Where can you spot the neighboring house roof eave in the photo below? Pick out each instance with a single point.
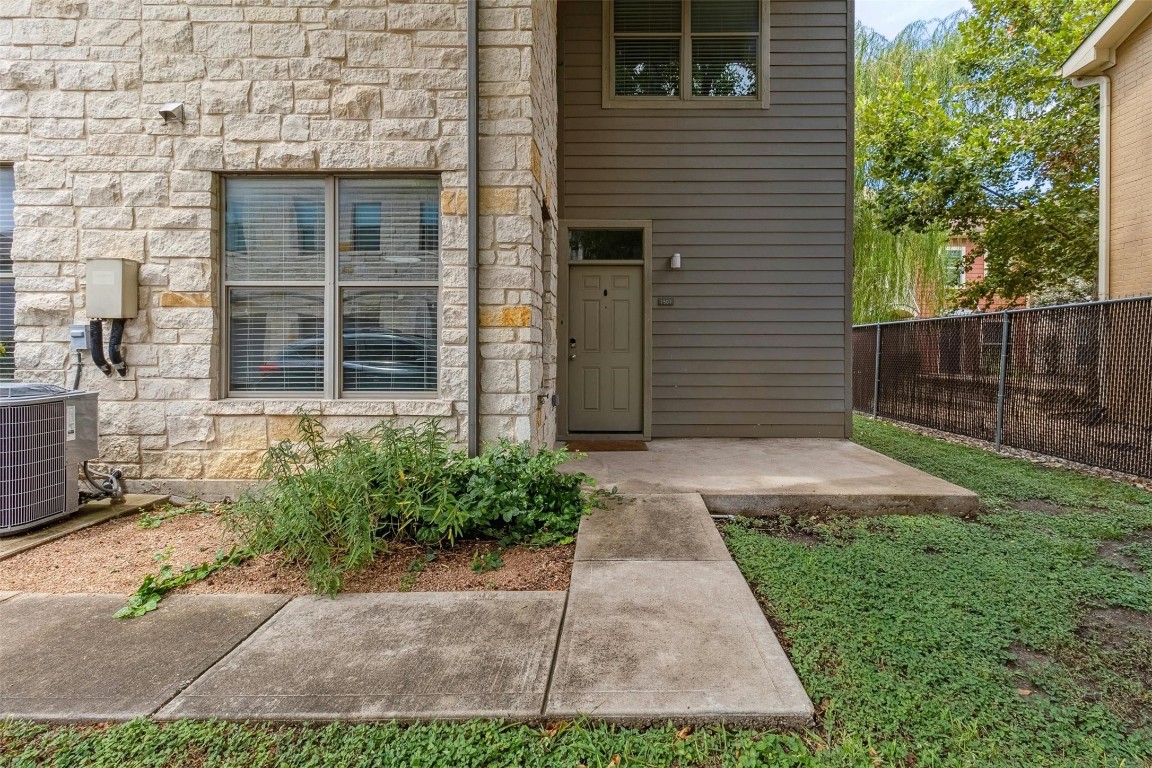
(1098, 51)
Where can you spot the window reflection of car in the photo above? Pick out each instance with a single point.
(378, 361)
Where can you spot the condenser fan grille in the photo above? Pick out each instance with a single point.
(33, 478)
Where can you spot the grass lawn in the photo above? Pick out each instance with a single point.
(1022, 637)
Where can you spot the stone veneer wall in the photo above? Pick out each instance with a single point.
(302, 86)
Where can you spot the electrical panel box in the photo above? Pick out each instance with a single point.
(112, 289)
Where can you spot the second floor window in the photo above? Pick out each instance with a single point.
(685, 50)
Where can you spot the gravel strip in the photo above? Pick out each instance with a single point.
(114, 557)
(1036, 458)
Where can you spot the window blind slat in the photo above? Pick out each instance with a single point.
(726, 16)
(724, 66)
(276, 339)
(647, 67)
(274, 228)
(389, 339)
(647, 16)
(389, 229)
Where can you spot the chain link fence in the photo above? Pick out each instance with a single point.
(1073, 381)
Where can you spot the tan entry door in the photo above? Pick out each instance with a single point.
(605, 348)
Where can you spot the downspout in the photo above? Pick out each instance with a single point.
(473, 228)
(1105, 187)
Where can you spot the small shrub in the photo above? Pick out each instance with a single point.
(334, 506)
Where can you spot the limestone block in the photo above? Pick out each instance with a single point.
(120, 449)
(199, 153)
(278, 40)
(174, 218)
(190, 431)
(44, 244)
(323, 129)
(179, 244)
(122, 32)
(329, 44)
(86, 76)
(359, 19)
(498, 376)
(356, 102)
(173, 299)
(152, 388)
(172, 464)
(25, 75)
(189, 275)
(252, 127)
(115, 105)
(112, 244)
(132, 418)
(172, 36)
(222, 40)
(338, 155)
(186, 360)
(144, 189)
(241, 433)
(224, 97)
(55, 104)
(281, 156)
(295, 128)
(42, 174)
(379, 49)
(182, 68)
(421, 16)
(43, 31)
(233, 465)
(402, 154)
(272, 97)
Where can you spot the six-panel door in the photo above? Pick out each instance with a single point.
(605, 348)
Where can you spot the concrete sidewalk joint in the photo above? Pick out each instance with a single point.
(389, 656)
(78, 664)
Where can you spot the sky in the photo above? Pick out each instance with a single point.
(888, 17)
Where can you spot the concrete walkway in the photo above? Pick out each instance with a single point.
(658, 624)
(762, 477)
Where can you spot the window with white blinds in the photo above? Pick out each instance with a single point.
(7, 280)
(331, 285)
(686, 50)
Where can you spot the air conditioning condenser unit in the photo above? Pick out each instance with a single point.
(46, 432)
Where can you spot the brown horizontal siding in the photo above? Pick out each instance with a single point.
(755, 201)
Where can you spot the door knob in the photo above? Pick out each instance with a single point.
(572, 357)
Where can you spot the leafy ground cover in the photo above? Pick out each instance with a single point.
(1014, 638)
(1020, 637)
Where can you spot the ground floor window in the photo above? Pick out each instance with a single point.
(331, 285)
(7, 281)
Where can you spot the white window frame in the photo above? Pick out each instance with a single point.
(685, 99)
(333, 331)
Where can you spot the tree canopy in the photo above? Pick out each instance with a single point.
(898, 271)
(1007, 152)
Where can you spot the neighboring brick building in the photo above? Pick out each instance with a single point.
(302, 234)
(1119, 50)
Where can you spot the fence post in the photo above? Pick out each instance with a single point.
(876, 375)
(1004, 330)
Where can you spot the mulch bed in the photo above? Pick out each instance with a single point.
(115, 556)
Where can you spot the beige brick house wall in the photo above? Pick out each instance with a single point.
(302, 86)
(1131, 199)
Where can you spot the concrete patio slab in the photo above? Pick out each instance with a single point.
(647, 642)
(651, 527)
(64, 658)
(772, 476)
(413, 656)
(92, 513)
